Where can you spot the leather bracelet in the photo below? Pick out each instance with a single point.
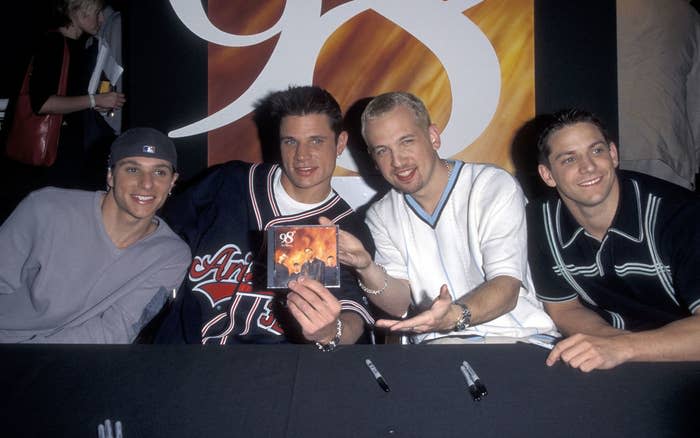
(335, 341)
(367, 290)
(92, 100)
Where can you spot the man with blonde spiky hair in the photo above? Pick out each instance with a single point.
(450, 237)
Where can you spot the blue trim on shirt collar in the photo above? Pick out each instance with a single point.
(432, 219)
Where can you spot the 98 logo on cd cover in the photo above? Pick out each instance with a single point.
(302, 250)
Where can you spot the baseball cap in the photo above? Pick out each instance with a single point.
(143, 142)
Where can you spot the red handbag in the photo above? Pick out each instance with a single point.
(33, 139)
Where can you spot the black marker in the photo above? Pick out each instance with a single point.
(476, 395)
(475, 378)
(377, 376)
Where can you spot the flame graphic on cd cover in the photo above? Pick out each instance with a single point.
(308, 250)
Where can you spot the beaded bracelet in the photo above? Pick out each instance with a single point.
(335, 341)
(367, 290)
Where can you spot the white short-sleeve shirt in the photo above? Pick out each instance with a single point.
(476, 233)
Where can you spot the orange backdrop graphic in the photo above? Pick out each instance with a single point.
(369, 55)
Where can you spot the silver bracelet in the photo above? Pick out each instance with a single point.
(335, 341)
(92, 100)
(465, 318)
(367, 290)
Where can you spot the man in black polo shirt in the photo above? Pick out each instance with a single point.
(614, 254)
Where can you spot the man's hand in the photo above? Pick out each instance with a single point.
(441, 317)
(588, 353)
(351, 251)
(315, 308)
(395, 294)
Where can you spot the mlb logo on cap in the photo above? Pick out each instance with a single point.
(143, 142)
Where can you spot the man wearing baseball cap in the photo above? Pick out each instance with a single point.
(93, 267)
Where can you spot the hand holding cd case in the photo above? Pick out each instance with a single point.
(308, 250)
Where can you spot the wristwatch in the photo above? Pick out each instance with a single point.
(464, 319)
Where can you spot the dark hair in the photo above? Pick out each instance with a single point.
(562, 119)
(301, 101)
(294, 101)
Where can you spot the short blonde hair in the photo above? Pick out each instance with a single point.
(386, 102)
(88, 5)
(63, 9)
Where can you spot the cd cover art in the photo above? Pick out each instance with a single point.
(308, 250)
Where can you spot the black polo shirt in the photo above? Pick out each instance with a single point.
(645, 272)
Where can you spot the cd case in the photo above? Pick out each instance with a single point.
(309, 250)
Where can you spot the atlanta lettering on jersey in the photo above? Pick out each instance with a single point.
(221, 275)
(227, 277)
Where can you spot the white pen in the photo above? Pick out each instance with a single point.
(377, 375)
(467, 376)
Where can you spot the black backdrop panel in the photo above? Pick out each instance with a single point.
(165, 77)
(576, 58)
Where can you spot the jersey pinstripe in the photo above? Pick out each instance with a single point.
(224, 299)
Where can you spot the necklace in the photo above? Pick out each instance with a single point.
(448, 167)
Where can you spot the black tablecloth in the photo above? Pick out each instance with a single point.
(298, 391)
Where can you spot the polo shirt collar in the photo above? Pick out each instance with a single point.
(628, 218)
(626, 223)
(567, 226)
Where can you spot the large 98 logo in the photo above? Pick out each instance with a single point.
(287, 239)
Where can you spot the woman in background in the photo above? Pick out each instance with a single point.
(81, 160)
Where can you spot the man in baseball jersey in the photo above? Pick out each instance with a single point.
(224, 218)
(450, 236)
(93, 267)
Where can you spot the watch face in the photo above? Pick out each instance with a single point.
(465, 319)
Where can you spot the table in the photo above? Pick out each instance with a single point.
(298, 391)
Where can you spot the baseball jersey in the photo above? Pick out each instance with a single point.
(224, 298)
